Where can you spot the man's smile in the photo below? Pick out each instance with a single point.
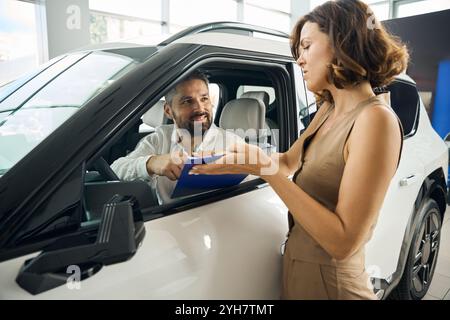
(200, 117)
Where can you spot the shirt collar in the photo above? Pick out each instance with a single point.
(208, 138)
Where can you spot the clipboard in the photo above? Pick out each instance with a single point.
(190, 184)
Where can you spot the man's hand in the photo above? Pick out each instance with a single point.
(169, 165)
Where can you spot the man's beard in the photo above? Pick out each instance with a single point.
(194, 126)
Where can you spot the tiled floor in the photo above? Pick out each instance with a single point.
(440, 285)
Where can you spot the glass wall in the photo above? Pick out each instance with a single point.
(268, 13)
(135, 21)
(279, 5)
(184, 13)
(151, 21)
(18, 39)
(118, 20)
(387, 9)
(405, 9)
(379, 7)
(132, 20)
(263, 16)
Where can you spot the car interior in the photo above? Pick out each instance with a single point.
(242, 100)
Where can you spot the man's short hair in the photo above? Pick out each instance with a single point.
(196, 75)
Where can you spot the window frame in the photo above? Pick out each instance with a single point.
(418, 108)
(198, 200)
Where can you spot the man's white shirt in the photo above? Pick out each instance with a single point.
(168, 139)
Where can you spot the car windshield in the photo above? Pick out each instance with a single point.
(38, 107)
(9, 88)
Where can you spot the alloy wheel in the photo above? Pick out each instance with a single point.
(426, 249)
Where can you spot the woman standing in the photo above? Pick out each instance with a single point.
(345, 159)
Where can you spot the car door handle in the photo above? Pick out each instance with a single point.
(409, 180)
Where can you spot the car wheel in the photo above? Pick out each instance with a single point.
(422, 257)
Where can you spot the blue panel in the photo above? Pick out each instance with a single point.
(441, 112)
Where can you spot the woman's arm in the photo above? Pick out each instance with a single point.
(373, 151)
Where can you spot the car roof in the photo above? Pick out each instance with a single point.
(226, 34)
(109, 46)
(241, 42)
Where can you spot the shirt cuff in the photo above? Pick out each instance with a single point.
(142, 168)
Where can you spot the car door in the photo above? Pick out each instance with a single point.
(220, 245)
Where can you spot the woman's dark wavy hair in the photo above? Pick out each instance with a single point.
(363, 49)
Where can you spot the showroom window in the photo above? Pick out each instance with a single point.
(144, 9)
(18, 39)
(134, 20)
(106, 27)
(263, 13)
(150, 22)
(187, 13)
(408, 8)
(388, 9)
(280, 5)
(380, 8)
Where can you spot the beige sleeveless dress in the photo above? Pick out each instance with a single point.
(309, 272)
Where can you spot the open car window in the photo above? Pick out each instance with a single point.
(155, 117)
(227, 87)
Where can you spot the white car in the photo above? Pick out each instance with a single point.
(69, 229)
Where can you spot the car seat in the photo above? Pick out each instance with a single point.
(247, 117)
(271, 126)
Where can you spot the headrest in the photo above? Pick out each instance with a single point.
(154, 117)
(244, 114)
(260, 95)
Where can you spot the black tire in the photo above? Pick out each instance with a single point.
(422, 256)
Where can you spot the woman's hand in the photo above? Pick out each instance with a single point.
(240, 159)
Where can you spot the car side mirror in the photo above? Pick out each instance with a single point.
(120, 233)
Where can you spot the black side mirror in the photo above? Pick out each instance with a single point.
(120, 233)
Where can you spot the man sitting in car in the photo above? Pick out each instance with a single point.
(159, 157)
